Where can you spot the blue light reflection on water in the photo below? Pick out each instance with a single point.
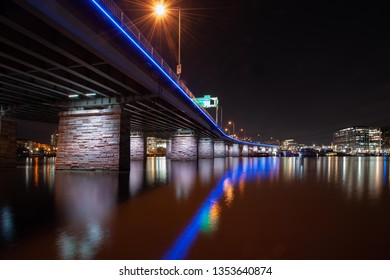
(247, 170)
(385, 170)
(7, 224)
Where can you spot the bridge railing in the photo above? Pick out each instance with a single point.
(127, 24)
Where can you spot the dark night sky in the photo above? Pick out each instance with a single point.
(291, 69)
(287, 69)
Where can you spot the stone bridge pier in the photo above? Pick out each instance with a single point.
(94, 140)
(101, 140)
(234, 150)
(184, 146)
(137, 146)
(245, 150)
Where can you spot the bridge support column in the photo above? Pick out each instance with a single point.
(137, 146)
(219, 149)
(245, 150)
(168, 149)
(94, 139)
(206, 148)
(7, 143)
(184, 146)
(254, 151)
(234, 150)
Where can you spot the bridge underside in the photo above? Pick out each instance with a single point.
(44, 62)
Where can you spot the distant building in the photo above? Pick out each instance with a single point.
(289, 145)
(54, 139)
(156, 146)
(30, 148)
(358, 140)
(386, 139)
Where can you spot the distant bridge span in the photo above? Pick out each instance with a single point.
(84, 65)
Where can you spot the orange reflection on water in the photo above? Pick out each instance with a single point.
(215, 213)
(228, 191)
(241, 185)
(36, 172)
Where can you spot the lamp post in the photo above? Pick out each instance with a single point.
(243, 131)
(232, 124)
(160, 10)
(178, 68)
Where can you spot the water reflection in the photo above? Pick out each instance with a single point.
(86, 201)
(7, 224)
(183, 177)
(137, 177)
(153, 172)
(356, 177)
(207, 216)
(156, 168)
(39, 172)
(193, 206)
(206, 170)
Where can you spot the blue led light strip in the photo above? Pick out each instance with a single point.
(133, 41)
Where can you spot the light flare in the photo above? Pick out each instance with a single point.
(159, 9)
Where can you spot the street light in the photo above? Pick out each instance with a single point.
(232, 123)
(160, 10)
(242, 130)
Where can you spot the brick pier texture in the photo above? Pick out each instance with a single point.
(245, 150)
(169, 148)
(205, 148)
(234, 150)
(7, 143)
(219, 149)
(137, 147)
(184, 147)
(94, 140)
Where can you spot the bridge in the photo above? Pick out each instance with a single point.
(85, 66)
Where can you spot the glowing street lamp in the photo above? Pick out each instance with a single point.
(243, 130)
(160, 10)
(232, 123)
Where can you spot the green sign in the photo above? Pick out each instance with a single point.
(208, 102)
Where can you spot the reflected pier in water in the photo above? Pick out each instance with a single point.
(249, 208)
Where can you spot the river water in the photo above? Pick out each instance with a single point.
(233, 208)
